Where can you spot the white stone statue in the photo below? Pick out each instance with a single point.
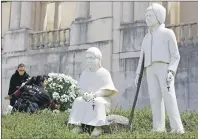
(96, 87)
(162, 57)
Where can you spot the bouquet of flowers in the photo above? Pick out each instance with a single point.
(62, 89)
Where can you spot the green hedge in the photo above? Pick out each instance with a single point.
(48, 125)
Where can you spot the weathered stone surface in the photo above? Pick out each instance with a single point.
(82, 10)
(193, 90)
(193, 103)
(96, 12)
(139, 13)
(132, 35)
(127, 12)
(16, 40)
(117, 119)
(26, 14)
(95, 33)
(117, 14)
(15, 15)
(181, 104)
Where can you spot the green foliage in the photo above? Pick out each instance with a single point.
(49, 125)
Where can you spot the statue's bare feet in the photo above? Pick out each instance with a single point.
(158, 130)
(177, 131)
(96, 132)
(77, 130)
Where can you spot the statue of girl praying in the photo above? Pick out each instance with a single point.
(95, 87)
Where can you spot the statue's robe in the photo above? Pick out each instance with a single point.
(84, 112)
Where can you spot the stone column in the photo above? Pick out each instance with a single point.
(37, 15)
(56, 15)
(139, 10)
(42, 15)
(174, 12)
(26, 15)
(15, 15)
(165, 4)
(127, 12)
(81, 13)
(82, 10)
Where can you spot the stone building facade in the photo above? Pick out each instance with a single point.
(116, 28)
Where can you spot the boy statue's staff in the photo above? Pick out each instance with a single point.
(136, 94)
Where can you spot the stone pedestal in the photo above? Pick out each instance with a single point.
(15, 15)
(74, 34)
(17, 40)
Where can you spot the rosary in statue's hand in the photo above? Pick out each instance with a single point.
(169, 78)
(88, 96)
(85, 96)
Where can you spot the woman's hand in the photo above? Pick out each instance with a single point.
(57, 106)
(7, 97)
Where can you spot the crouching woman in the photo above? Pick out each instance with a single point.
(33, 96)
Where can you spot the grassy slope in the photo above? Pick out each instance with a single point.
(47, 125)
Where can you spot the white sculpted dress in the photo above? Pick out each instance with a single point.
(84, 112)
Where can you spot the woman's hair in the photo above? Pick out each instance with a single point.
(38, 80)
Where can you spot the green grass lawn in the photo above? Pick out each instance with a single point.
(48, 125)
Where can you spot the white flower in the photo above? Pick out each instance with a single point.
(64, 96)
(55, 95)
(63, 99)
(49, 79)
(57, 84)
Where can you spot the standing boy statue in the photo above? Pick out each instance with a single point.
(161, 54)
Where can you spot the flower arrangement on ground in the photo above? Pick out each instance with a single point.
(63, 89)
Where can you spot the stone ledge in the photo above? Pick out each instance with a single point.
(91, 20)
(123, 55)
(55, 50)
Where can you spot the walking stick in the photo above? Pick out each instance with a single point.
(136, 95)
